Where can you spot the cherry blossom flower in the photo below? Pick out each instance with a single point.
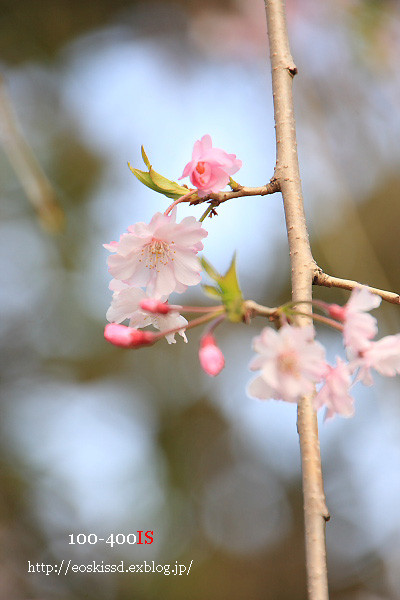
(211, 358)
(358, 326)
(334, 394)
(290, 361)
(210, 168)
(383, 356)
(160, 255)
(127, 337)
(125, 304)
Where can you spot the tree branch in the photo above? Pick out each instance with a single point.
(321, 278)
(303, 270)
(217, 198)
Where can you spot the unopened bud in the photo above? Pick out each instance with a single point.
(127, 337)
(152, 305)
(336, 311)
(211, 358)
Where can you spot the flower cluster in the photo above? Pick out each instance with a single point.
(291, 362)
(151, 261)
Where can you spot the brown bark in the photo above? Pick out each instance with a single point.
(287, 175)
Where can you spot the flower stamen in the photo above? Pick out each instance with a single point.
(156, 253)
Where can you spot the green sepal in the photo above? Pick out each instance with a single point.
(227, 289)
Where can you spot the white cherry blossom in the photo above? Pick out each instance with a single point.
(334, 394)
(358, 326)
(290, 362)
(161, 256)
(125, 304)
(383, 356)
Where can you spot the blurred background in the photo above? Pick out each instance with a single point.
(95, 439)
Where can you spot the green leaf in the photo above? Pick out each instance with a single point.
(166, 185)
(231, 293)
(209, 269)
(143, 177)
(153, 180)
(212, 291)
(228, 289)
(145, 159)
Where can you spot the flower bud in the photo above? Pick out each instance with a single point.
(337, 312)
(152, 305)
(211, 358)
(127, 337)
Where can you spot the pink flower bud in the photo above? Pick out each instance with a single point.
(152, 305)
(337, 312)
(127, 337)
(211, 358)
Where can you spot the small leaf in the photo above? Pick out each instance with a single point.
(229, 281)
(143, 177)
(231, 293)
(174, 190)
(209, 269)
(166, 185)
(234, 185)
(212, 291)
(227, 289)
(145, 159)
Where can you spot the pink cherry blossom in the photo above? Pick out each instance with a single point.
(125, 304)
(211, 358)
(334, 394)
(210, 168)
(127, 337)
(383, 356)
(160, 255)
(358, 326)
(290, 361)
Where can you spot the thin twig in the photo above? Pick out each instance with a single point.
(321, 278)
(288, 176)
(321, 319)
(33, 179)
(193, 323)
(251, 308)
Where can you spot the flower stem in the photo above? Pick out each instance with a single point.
(321, 318)
(214, 324)
(200, 309)
(206, 213)
(181, 199)
(191, 324)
